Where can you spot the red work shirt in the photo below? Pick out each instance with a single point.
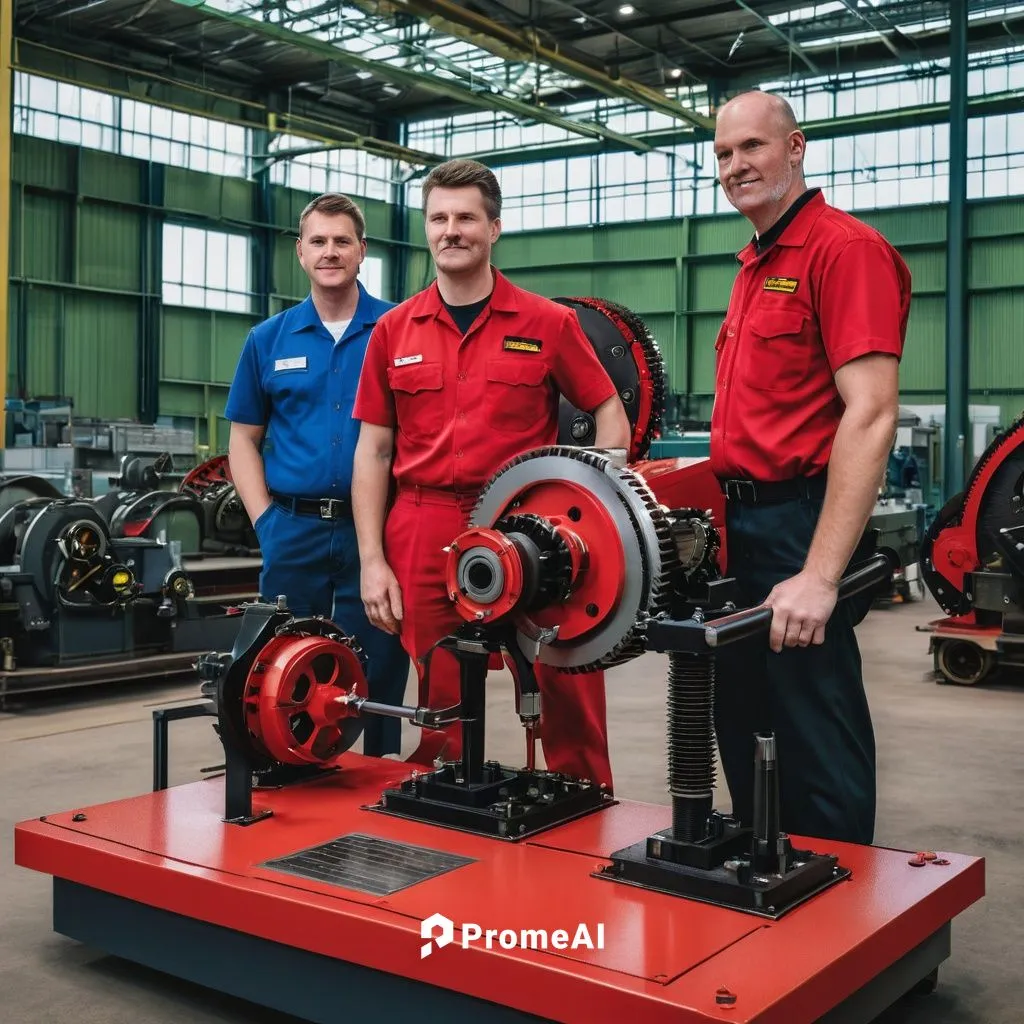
(829, 290)
(463, 405)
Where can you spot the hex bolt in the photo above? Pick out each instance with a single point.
(78, 817)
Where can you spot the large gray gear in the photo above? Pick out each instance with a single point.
(643, 527)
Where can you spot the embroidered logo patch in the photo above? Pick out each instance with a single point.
(781, 284)
(522, 345)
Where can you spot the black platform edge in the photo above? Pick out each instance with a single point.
(309, 986)
(315, 988)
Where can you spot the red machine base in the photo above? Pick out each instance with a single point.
(159, 879)
(966, 653)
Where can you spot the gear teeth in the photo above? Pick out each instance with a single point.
(651, 365)
(953, 601)
(555, 582)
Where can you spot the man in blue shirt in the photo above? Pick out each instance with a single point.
(293, 438)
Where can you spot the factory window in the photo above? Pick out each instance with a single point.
(66, 113)
(182, 140)
(210, 269)
(96, 120)
(351, 171)
(372, 276)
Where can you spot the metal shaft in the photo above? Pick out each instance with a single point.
(472, 676)
(691, 743)
(766, 803)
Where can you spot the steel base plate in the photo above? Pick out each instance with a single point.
(766, 895)
(508, 803)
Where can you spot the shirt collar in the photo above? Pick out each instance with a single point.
(504, 298)
(791, 229)
(367, 312)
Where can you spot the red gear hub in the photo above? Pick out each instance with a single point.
(582, 524)
(295, 701)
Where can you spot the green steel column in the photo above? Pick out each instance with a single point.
(264, 237)
(6, 141)
(150, 287)
(956, 447)
(399, 262)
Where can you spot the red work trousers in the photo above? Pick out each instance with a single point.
(573, 727)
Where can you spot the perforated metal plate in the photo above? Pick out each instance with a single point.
(368, 864)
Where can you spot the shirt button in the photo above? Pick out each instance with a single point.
(458, 454)
(730, 332)
(337, 406)
(462, 415)
(460, 376)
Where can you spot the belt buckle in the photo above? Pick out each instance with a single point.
(326, 508)
(741, 487)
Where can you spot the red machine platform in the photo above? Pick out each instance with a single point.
(162, 880)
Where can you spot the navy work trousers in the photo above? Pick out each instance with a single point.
(811, 698)
(314, 563)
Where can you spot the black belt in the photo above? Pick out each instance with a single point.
(322, 508)
(771, 492)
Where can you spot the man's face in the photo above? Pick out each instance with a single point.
(329, 250)
(758, 159)
(459, 233)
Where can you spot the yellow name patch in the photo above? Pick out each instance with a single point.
(781, 284)
(522, 345)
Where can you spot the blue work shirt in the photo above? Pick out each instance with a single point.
(293, 378)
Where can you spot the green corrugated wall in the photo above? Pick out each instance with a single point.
(80, 282)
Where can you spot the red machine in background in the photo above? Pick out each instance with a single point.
(972, 560)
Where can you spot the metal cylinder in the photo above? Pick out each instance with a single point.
(766, 803)
(691, 743)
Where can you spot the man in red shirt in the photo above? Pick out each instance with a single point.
(805, 413)
(457, 380)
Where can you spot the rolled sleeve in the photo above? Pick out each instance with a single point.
(374, 400)
(863, 302)
(577, 370)
(247, 401)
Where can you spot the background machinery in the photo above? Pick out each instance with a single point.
(973, 564)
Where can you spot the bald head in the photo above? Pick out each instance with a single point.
(760, 150)
(764, 106)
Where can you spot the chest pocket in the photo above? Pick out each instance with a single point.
(780, 349)
(517, 395)
(419, 401)
(290, 381)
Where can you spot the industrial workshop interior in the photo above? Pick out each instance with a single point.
(512, 511)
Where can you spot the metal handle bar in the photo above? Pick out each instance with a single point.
(755, 621)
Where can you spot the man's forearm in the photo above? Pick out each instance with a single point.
(611, 425)
(371, 480)
(858, 459)
(247, 473)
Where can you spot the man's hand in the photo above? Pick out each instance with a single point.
(800, 607)
(382, 596)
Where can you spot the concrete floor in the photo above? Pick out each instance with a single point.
(951, 777)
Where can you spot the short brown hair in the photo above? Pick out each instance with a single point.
(334, 203)
(462, 174)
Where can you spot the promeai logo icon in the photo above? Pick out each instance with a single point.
(436, 929)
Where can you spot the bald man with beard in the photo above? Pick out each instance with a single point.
(806, 404)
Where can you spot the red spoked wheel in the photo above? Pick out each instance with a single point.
(296, 699)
